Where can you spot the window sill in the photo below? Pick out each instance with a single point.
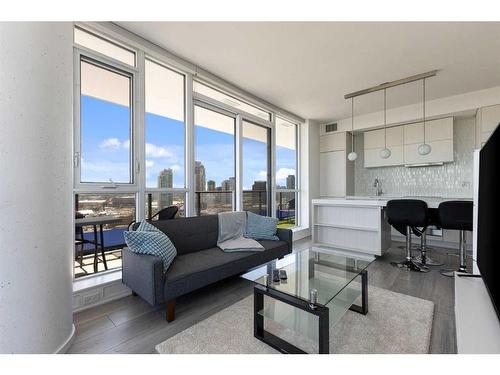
(96, 280)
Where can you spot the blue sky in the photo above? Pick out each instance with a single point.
(106, 145)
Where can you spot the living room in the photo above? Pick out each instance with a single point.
(308, 185)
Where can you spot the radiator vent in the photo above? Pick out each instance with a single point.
(331, 127)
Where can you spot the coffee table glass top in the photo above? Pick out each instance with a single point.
(327, 271)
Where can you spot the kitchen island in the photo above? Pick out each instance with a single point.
(356, 224)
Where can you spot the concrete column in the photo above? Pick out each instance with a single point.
(36, 109)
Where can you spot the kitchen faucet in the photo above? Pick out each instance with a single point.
(377, 186)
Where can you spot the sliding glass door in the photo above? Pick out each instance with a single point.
(214, 171)
(256, 168)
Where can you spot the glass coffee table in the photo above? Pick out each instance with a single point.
(321, 286)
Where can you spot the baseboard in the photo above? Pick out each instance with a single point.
(98, 294)
(69, 341)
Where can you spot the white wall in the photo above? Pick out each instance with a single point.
(36, 67)
(309, 174)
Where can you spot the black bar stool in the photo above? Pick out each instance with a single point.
(457, 215)
(424, 258)
(405, 215)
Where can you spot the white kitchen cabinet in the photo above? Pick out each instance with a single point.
(403, 141)
(487, 120)
(336, 172)
(332, 173)
(374, 143)
(441, 152)
(435, 130)
(373, 159)
(332, 142)
(438, 135)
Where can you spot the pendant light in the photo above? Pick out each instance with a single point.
(424, 148)
(385, 153)
(352, 155)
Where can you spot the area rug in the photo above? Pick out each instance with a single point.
(395, 323)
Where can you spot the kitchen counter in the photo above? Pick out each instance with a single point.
(357, 224)
(432, 202)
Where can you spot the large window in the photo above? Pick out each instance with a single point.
(105, 124)
(286, 173)
(256, 158)
(144, 143)
(165, 128)
(214, 171)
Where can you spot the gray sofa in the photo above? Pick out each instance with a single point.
(199, 262)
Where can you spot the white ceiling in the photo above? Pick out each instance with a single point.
(307, 67)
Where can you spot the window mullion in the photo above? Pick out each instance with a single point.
(139, 139)
(190, 152)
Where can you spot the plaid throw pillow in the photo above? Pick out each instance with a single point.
(261, 227)
(148, 239)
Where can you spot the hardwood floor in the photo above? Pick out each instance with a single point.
(130, 325)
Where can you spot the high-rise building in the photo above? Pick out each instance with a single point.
(259, 197)
(210, 185)
(228, 185)
(290, 181)
(259, 185)
(200, 177)
(165, 180)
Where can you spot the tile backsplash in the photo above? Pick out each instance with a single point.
(451, 180)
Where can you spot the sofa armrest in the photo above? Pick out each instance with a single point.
(287, 236)
(144, 275)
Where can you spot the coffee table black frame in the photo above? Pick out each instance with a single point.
(321, 311)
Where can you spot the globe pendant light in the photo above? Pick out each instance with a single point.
(385, 153)
(352, 155)
(424, 148)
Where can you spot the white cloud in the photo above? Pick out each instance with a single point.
(126, 144)
(176, 167)
(150, 163)
(154, 151)
(110, 144)
(262, 175)
(283, 173)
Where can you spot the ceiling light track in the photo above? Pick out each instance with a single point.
(387, 85)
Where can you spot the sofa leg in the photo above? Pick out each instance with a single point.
(134, 294)
(170, 310)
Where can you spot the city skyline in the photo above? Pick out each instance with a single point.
(165, 179)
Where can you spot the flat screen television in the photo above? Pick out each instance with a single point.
(488, 217)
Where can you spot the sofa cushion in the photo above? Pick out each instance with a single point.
(261, 227)
(191, 234)
(192, 271)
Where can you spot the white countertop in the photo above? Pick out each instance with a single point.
(432, 202)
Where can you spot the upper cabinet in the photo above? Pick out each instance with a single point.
(487, 120)
(374, 142)
(403, 141)
(336, 173)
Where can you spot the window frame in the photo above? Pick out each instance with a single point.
(269, 162)
(119, 68)
(111, 41)
(222, 111)
(297, 189)
(144, 50)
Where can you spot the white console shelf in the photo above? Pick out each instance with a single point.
(354, 226)
(477, 325)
